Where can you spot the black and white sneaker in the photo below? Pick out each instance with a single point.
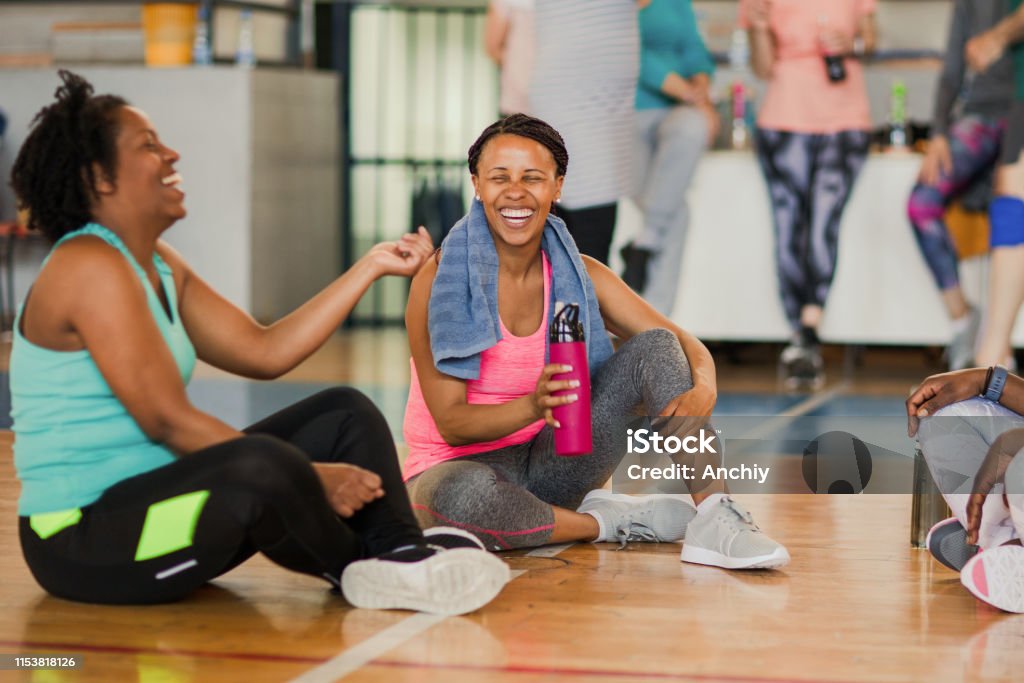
(947, 542)
(450, 538)
(801, 367)
(439, 577)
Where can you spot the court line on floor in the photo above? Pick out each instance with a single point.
(354, 658)
(799, 410)
(601, 673)
(302, 659)
(373, 647)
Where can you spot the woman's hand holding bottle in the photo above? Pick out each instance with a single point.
(543, 398)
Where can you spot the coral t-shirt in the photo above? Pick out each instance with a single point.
(799, 97)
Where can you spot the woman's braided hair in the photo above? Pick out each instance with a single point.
(54, 176)
(527, 127)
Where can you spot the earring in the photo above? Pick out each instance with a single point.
(478, 197)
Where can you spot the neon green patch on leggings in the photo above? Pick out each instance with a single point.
(170, 525)
(49, 523)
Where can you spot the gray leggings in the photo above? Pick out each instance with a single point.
(505, 496)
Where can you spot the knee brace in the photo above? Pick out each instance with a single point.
(1006, 219)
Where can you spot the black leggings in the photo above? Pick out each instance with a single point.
(159, 536)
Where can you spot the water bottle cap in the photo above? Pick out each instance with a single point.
(566, 326)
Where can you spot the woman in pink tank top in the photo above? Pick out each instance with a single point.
(480, 432)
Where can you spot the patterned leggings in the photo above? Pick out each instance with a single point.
(809, 179)
(974, 147)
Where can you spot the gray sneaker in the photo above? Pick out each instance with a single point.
(801, 367)
(622, 518)
(960, 352)
(726, 536)
(947, 542)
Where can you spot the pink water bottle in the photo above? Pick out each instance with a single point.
(568, 347)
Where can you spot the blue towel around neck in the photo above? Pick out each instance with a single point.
(463, 313)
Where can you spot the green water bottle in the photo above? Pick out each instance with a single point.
(898, 115)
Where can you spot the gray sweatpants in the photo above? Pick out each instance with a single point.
(505, 496)
(668, 144)
(954, 442)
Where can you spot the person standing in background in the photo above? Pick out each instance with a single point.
(812, 137)
(508, 40)
(961, 152)
(1006, 212)
(583, 83)
(675, 122)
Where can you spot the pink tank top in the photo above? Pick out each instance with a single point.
(508, 370)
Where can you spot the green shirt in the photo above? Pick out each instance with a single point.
(1017, 51)
(73, 437)
(669, 43)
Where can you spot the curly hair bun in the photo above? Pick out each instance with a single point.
(75, 92)
(71, 141)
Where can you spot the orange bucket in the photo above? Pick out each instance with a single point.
(968, 230)
(169, 29)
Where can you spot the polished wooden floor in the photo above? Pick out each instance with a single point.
(856, 604)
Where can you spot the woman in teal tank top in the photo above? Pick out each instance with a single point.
(130, 494)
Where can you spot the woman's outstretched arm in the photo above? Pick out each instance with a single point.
(229, 338)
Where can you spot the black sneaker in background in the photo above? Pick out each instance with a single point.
(801, 367)
(635, 272)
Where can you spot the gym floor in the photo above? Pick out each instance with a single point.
(857, 603)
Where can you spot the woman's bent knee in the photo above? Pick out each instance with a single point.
(265, 464)
(446, 488)
(347, 398)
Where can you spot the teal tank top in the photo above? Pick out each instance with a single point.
(1017, 51)
(73, 439)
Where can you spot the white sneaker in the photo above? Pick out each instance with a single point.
(996, 576)
(960, 352)
(426, 579)
(623, 518)
(726, 536)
